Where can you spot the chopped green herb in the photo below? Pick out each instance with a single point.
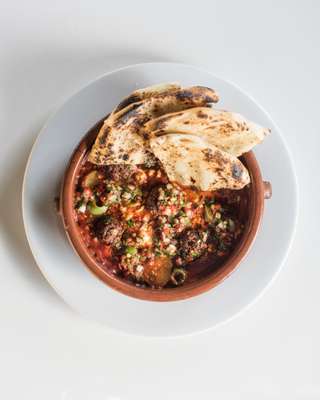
(130, 223)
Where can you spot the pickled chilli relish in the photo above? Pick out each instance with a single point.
(149, 230)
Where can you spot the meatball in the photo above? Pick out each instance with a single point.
(152, 199)
(119, 172)
(192, 243)
(108, 229)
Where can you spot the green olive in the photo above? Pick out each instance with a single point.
(178, 276)
(131, 250)
(96, 210)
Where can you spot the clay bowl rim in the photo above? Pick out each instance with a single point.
(259, 190)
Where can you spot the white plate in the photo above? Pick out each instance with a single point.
(64, 270)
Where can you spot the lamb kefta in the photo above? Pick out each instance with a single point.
(149, 230)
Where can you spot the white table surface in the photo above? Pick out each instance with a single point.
(48, 50)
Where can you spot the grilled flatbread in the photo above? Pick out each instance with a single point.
(191, 161)
(122, 138)
(229, 131)
(145, 93)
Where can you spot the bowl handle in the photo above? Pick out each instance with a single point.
(57, 205)
(267, 190)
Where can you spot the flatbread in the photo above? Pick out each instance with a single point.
(122, 138)
(229, 131)
(189, 160)
(145, 93)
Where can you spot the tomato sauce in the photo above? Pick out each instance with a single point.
(152, 231)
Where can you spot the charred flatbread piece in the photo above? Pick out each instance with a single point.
(123, 139)
(191, 161)
(145, 93)
(118, 146)
(229, 131)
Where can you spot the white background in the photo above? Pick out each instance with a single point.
(48, 50)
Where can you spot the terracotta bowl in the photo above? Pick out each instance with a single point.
(204, 276)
